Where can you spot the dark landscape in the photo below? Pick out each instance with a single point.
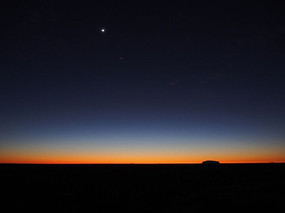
(143, 188)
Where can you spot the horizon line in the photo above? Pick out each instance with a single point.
(139, 163)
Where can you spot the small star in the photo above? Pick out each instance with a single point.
(102, 30)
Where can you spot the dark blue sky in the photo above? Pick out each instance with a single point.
(160, 73)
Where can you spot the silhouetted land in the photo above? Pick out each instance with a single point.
(143, 188)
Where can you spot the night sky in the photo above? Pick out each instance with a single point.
(177, 82)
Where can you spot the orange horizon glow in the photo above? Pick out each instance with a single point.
(126, 160)
(141, 163)
(67, 155)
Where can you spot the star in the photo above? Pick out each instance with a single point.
(102, 30)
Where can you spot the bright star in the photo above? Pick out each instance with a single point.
(102, 30)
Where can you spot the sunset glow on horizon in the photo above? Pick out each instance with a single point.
(140, 155)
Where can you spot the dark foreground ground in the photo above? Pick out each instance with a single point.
(143, 188)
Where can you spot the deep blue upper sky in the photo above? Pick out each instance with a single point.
(179, 69)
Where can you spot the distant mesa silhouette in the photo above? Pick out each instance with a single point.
(211, 162)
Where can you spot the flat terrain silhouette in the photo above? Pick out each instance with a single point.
(143, 188)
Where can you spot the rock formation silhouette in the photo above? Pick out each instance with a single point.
(211, 162)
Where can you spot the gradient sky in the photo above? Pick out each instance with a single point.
(178, 82)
